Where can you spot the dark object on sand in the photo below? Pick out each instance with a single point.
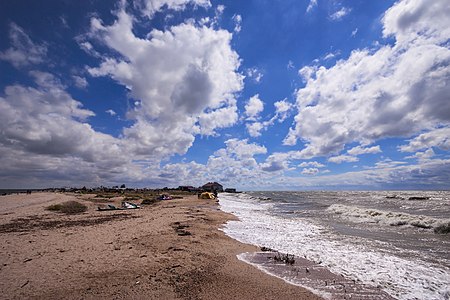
(288, 259)
(129, 205)
(419, 198)
(394, 197)
(125, 205)
(180, 229)
(442, 229)
(108, 207)
(266, 249)
(165, 197)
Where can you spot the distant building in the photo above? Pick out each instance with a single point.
(187, 188)
(230, 190)
(213, 186)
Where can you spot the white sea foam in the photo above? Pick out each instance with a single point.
(401, 278)
(369, 215)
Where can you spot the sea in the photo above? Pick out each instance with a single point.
(398, 241)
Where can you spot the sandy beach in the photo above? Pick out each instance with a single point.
(168, 250)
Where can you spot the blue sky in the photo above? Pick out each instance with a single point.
(258, 95)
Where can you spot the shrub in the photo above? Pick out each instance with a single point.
(70, 207)
(55, 207)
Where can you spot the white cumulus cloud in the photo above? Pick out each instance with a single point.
(393, 91)
(439, 138)
(358, 150)
(311, 164)
(254, 129)
(80, 82)
(254, 107)
(185, 79)
(310, 171)
(342, 158)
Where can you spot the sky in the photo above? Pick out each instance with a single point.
(256, 94)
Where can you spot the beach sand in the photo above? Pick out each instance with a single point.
(169, 250)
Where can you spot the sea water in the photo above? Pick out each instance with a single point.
(398, 241)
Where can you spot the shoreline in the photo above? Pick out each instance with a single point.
(168, 250)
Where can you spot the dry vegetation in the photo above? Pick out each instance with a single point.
(70, 207)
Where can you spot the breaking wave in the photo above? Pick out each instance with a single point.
(391, 218)
(403, 278)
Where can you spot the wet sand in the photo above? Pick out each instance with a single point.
(169, 250)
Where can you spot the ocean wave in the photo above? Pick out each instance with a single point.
(391, 218)
(402, 278)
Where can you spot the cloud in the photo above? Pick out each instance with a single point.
(87, 47)
(358, 150)
(237, 23)
(393, 91)
(354, 32)
(254, 107)
(290, 65)
(220, 9)
(308, 72)
(342, 158)
(219, 118)
(353, 153)
(80, 82)
(254, 129)
(422, 155)
(150, 7)
(439, 138)
(64, 22)
(282, 110)
(242, 149)
(311, 164)
(312, 4)
(255, 74)
(388, 163)
(47, 122)
(332, 55)
(111, 112)
(23, 51)
(233, 164)
(44, 135)
(421, 20)
(389, 174)
(338, 15)
(185, 78)
(310, 171)
(277, 162)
